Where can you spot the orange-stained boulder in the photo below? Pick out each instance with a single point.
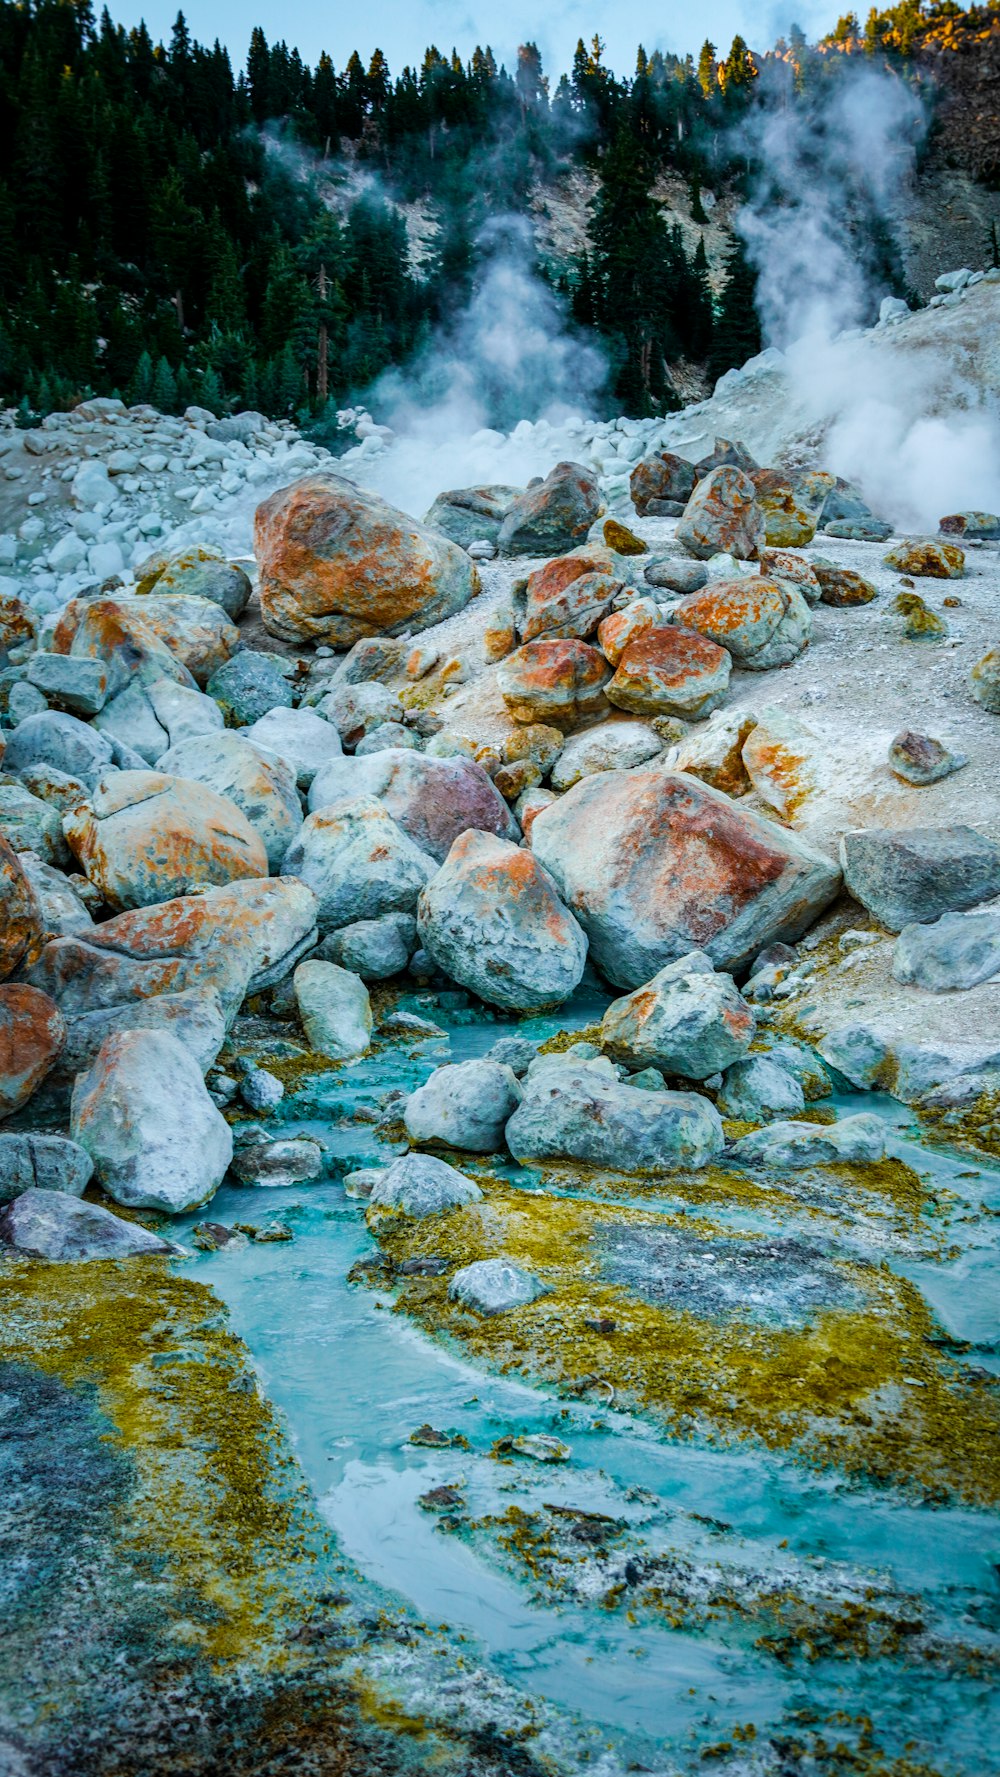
(654, 864)
(784, 564)
(671, 672)
(18, 622)
(663, 476)
(238, 939)
(927, 557)
(569, 596)
(21, 929)
(32, 1032)
(115, 631)
(145, 837)
(554, 516)
(763, 623)
(619, 628)
(560, 682)
(491, 919)
(196, 631)
(723, 514)
(337, 563)
(788, 522)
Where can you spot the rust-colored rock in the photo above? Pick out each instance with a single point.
(671, 671)
(723, 514)
(619, 628)
(17, 623)
(568, 597)
(21, 929)
(146, 836)
(557, 682)
(927, 558)
(654, 864)
(788, 521)
(784, 564)
(195, 631)
(32, 1032)
(715, 752)
(763, 623)
(663, 476)
(554, 516)
(337, 563)
(843, 587)
(115, 631)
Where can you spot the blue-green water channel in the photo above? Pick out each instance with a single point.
(354, 1380)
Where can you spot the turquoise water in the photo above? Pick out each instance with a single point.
(353, 1380)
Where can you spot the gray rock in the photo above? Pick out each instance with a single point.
(78, 685)
(357, 710)
(573, 1111)
(677, 574)
(335, 1010)
(386, 736)
(553, 516)
(195, 1017)
(300, 737)
(52, 738)
(957, 951)
(758, 1087)
(494, 1286)
(358, 862)
(804, 1065)
(985, 681)
(375, 949)
(259, 1089)
(918, 873)
(263, 789)
(472, 514)
(29, 824)
(722, 515)
(918, 759)
(273, 1164)
(433, 800)
(62, 910)
(45, 1162)
(687, 1020)
(492, 920)
(873, 1061)
(611, 746)
(248, 685)
(517, 1053)
(143, 1114)
(860, 1139)
(200, 575)
(150, 717)
(419, 1185)
(466, 1105)
(53, 1225)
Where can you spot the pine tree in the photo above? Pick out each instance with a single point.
(706, 69)
(736, 334)
(140, 388)
(210, 394)
(163, 394)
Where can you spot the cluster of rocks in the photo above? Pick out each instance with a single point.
(186, 820)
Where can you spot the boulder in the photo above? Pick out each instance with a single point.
(115, 632)
(21, 922)
(337, 563)
(553, 516)
(44, 1224)
(569, 596)
(196, 630)
(859, 1140)
(18, 622)
(726, 451)
(62, 911)
(655, 864)
(920, 623)
(956, 951)
(494, 1286)
(985, 681)
(61, 741)
(375, 949)
(301, 738)
(759, 1087)
(250, 684)
(687, 1020)
(574, 1112)
(195, 1017)
(42, 1162)
(358, 862)
(926, 557)
(723, 513)
(334, 1008)
(843, 587)
(789, 523)
(273, 1165)
(661, 476)
(201, 573)
(357, 710)
(982, 526)
(432, 800)
(612, 746)
(29, 825)
(918, 759)
(262, 789)
(32, 1032)
(762, 623)
(918, 873)
(419, 1185)
(783, 564)
(146, 836)
(471, 514)
(619, 628)
(466, 1104)
(676, 574)
(78, 686)
(492, 920)
(237, 939)
(557, 682)
(149, 718)
(714, 752)
(145, 1117)
(670, 672)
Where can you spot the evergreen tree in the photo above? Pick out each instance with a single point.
(706, 69)
(164, 390)
(736, 334)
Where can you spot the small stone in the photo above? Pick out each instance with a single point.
(985, 681)
(77, 685)
(419, 1185)
(278, 1163)
(43, 1162)
(920, 622)
(671, 671)
(843, 587)
(918, 759)
(758, 1087)
(981, 526)
(32, 1035)
(494, 1286)
(260, 1090)
(618, 537)
(687, 1020)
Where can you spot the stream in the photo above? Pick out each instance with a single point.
(353, 1381)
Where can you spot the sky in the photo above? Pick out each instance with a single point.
(403, 28)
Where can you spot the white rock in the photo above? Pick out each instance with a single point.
(418, 1185)
(494, 1286)
(334, 1008)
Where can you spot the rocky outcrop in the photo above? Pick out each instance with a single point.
(654, 864)
(337, 563)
